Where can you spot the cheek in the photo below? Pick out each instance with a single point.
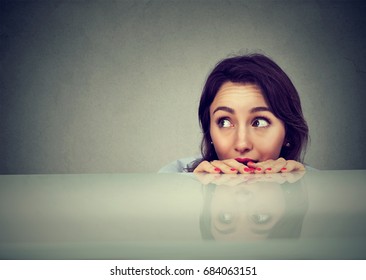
(222, 144)
(222, 150)
(271, 149)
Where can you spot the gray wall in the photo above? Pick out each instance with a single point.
(113, 86)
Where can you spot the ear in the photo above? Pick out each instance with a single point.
(286, 143)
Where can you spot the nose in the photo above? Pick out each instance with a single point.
(243, 143)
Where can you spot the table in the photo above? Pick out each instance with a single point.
(306, 215)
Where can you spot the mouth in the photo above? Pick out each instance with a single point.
(245, 160)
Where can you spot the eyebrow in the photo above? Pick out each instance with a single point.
(232, 111)
(259, 109)
(224, 108)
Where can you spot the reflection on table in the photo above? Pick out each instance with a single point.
(305, 215)
(253, 207)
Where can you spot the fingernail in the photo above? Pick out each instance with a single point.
(246, 169)
(269, 168)
(259, 169)
(217, 169)
(284, 168)
(233, 169)
(252, 170)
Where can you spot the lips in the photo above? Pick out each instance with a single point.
(245, 160)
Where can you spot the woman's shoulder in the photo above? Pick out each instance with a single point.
(178, 166)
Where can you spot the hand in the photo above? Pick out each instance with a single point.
(276, 166)
(231, 166)
(235, 180)
(227, 166)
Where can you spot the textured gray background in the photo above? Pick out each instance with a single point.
(113, 86)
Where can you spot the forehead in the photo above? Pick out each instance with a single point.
(238, 95)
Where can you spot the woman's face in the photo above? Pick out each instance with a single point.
(242, 126)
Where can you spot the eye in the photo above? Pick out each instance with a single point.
(260, 122)
(260, 218)
(224, 123)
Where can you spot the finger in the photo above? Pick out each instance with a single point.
(276, 166)
(205, 166)
(292, 165)
(263, 167)
(240, 167)
(253, 168)
(224, 166)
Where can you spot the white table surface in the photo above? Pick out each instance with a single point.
(312, 215)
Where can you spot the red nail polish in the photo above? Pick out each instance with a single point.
(284, 168)
(217, 169)
(259, 169)
(246, 169)
(233, 169)
(269, 169)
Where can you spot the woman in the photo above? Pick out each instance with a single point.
(251, 118)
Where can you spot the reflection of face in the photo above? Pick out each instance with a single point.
(242, 125)
(246, 212)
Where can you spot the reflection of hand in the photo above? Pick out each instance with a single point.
(232, 166)
(236, 179)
